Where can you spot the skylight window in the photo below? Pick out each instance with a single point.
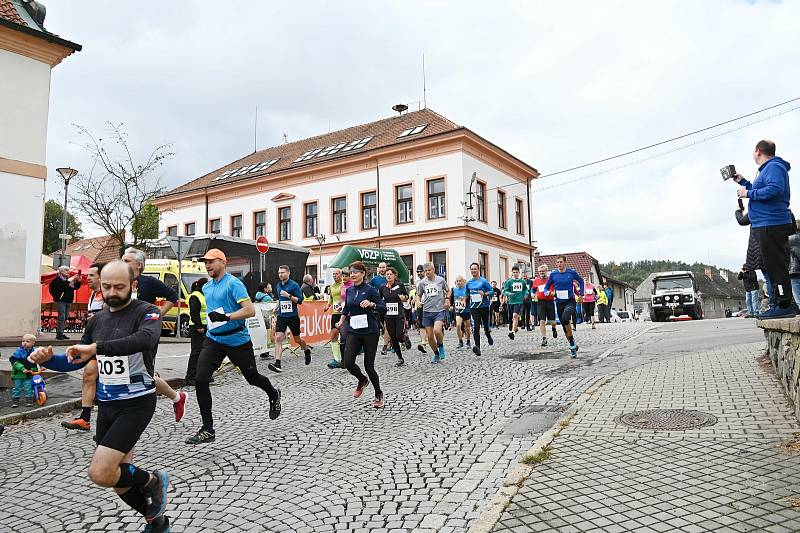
(332, 149)
(308, 155)
(412, 131)
(265, 165)
(357, 144)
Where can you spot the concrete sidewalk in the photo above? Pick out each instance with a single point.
(730, 475)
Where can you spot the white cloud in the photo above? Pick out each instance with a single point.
(555, 85)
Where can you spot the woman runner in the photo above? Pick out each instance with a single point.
(394, 295)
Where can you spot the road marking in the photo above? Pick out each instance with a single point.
(614, 348)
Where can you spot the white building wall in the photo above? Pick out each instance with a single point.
(498, 180)
(23, 134)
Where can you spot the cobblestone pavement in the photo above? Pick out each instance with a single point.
(731, 476)
(427, 462)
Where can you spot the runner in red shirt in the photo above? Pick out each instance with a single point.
(545, 305)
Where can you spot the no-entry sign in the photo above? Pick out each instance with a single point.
(262, 245)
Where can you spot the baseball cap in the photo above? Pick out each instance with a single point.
(214, 253)
(419, 268)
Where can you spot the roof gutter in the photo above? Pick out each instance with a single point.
(49, 37)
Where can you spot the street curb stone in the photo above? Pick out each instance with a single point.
(514, 480)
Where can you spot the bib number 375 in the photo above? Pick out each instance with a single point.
(113, 370)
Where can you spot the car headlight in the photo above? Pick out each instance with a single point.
(667, 298)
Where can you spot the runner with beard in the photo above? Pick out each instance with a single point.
(562, 280)
(479, 292)
(545, 304)
(123, 340)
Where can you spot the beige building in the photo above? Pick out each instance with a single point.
(28, 52)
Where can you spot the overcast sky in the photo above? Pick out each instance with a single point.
(556, 84)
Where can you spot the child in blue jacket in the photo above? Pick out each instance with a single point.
(22, 371)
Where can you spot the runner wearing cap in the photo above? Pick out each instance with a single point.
(479, 292)
(545, 304)
(434, 292)
(228, 307)
(563, 281)
(289, 297)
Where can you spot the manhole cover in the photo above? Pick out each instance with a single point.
(666, 419)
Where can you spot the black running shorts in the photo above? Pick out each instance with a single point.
(291, 322)
(566, 311)
(546, 310)
(120, 423)
(335, 318)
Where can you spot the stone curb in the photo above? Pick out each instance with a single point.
(60, 407)
(514, 480)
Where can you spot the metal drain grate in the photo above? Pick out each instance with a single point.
(666, 419)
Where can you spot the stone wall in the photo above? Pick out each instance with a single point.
(783, 347)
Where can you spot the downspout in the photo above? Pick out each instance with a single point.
(205, 191)
(378, 197)
(530, 234)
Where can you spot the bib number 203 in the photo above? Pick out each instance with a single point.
(113, 370)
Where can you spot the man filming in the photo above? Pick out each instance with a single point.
(771, 222)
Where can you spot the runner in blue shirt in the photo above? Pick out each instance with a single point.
(228, 307)
(289, 297)
(480, 292)
(563, 281)
(458, 296)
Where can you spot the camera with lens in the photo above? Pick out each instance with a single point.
(728, 172)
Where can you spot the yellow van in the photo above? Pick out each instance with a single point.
(166, 270)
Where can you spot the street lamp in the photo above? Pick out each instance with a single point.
(320, 239)
(67, 173)
(468, 207)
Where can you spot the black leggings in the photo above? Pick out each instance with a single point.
(210, 358)
(395, 326)
(480, 316)
(369, 341)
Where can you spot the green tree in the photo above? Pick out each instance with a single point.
(145, 224)
(53, 221)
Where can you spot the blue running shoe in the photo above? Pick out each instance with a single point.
(573, 350)
(441, 353)
(777, 312)
(156, 495)
(435, 359)
(489, 339)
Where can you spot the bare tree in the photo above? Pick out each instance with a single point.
(116, 190)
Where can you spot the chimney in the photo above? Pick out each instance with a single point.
(709, 273)
(723, 274)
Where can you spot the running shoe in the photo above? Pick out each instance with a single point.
(14, 404)
(159, 525)
(511, 335)
(593, 327)
(29, 403)
(460, 344)
(78, 423)
(383, 350)
(441, 354)
(379, 402)
(400, 362)
(544, 341)
(476, 351)
(308, 356)
(408, 343)
(275, 367)
(778, 312)
(360, 389)
(333, 363)
(180, 406)
(275, 406)
(468, 344)
(264, 355)
(555, 333)
(156, 495)
(421, 348)
(573, 350)
(202, 436)
(489, 339)
(435, 358)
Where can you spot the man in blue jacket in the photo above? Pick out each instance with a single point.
(771, 222)
(563, 281)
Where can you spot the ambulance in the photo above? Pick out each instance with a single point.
(166, 270)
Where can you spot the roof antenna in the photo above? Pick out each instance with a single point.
(424, 88)
(285, 138)
(255, 131)
(400, 108)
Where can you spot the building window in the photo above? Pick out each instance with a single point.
(501, 209)
(339, 214)
(480, 197)
(285, 223)
(259, 224)
(436, 198)
(188, 229)
(236, 226)
(369, 210)
(213, 225)
(408, 261)
(518, 214)
(172, 231)
(483, 259)
(311, 219)
(311, 270)
(439, 260)
(405, 204)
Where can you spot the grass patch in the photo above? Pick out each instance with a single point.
(536, 458)
(794, 502)
(792, 446)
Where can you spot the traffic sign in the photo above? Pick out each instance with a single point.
(262, 245)
(64, 236)
(180, 245)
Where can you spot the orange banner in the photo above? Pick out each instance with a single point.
(315, 324)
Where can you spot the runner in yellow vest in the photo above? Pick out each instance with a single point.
(197, 326)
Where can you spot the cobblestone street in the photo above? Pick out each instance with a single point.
(427, 462)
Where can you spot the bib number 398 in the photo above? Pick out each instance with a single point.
(113, 370)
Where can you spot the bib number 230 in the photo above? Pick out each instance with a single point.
(113, 370)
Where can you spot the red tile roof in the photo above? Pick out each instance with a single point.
(381, 133)
(582, 262)
(96, 249)
(9, 12)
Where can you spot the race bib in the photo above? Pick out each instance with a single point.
(562, 295)
(475, 298)
(541, 288)
(113, 370)
(516, 287)
(337, 307)
(392, 309)
(459, 305)
(286, 306)
(431, 290)
(359, 322)
(494, 298)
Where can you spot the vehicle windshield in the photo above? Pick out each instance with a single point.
(673, 283)
(188, 279)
